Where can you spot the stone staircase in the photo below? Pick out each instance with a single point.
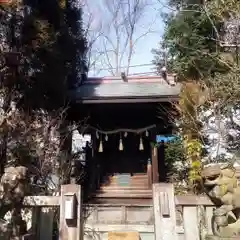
(121, 209)
(139, 180)
(135, 189)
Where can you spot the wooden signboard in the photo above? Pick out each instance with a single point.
(123, 179)
(123, 236)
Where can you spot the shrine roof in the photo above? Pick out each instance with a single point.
(135, 87)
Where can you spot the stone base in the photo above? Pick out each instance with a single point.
(123, 236)
(211, 237)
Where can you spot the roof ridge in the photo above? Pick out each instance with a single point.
(131, 77)
(113, 80)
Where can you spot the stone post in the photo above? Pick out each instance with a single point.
(70, 219)
(164, 211)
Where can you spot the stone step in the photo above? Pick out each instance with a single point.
(138, 181)
(137, 176)
(124, 193)
(117, 187)
(130, 183)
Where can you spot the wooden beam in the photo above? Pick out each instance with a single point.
(129, 100)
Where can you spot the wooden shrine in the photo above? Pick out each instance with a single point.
(123, 118)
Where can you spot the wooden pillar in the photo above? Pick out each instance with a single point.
(88, 164)
(92, 181)
(162, 169)
(154, 156)
(155, 175)
(94, 144)
(70, 229)
(149, 173)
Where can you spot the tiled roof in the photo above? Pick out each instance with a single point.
(95, 88)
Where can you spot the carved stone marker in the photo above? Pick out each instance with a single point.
(220, 184)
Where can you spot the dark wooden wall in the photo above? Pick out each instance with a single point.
(130, 159)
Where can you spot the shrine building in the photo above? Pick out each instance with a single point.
(124, 118)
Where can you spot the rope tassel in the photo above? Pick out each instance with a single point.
(141, 147)
(120, 145)
(100, 149)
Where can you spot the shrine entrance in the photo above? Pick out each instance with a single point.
(123, 162)
(123, 158)
(125, 155)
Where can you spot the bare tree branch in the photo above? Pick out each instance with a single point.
(121, 32)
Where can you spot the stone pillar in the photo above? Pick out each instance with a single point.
(70, 229)
(164, 211)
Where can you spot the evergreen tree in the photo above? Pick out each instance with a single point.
(54, 38)
(193, 48)
(192, 40)
(43, 56)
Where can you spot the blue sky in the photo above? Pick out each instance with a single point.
(142, 51)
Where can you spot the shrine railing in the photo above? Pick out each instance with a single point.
(181, 217)
(169, 217)
(43, 212)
